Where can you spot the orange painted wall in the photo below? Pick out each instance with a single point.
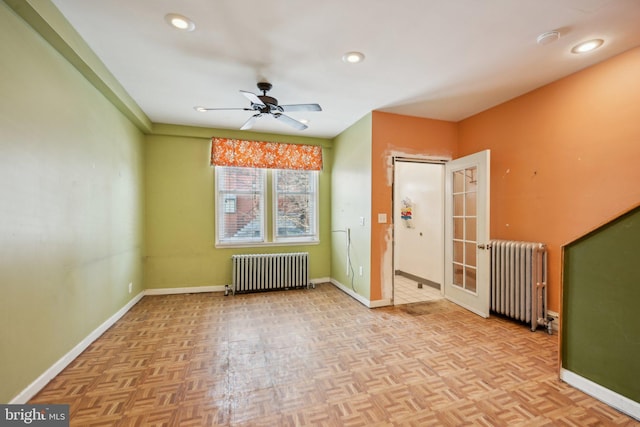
(564, 158)
(394, 135)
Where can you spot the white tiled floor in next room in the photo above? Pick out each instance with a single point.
(406, 291)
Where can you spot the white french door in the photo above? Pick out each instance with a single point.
(467, 255)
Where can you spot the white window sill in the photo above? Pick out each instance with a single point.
(266, 244)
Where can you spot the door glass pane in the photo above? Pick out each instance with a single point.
(458, 204)
(470, 229)
(457, 274)
(458, 181)
(470, 179)
(458, 228)
(470, 254)
(470, 205)
(458, 252)
(470, 279)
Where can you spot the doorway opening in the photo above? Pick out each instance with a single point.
(418, 230)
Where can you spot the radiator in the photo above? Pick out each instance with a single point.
(519, 282)
(266, 272)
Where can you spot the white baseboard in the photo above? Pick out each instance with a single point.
(320, 280)
(65, 360)
(353, 294)
(200, 289)
(611, 398)
(380, 303)
(364, 301)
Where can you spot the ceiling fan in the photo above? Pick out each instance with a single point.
(264, 104)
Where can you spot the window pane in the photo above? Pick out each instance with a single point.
(293, 181)
(292, 218)
(240, 204)
(296, 196)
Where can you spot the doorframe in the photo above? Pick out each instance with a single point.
(395, 220)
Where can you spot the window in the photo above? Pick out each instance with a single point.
(240, 204)
(295, 204)
(241, 196)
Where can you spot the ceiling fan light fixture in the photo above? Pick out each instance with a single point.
(587, 46)
(180, 22)
(353, 57)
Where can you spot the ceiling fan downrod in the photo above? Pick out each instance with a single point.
(264, 87)
(269, 101)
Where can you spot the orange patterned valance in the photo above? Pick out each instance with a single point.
(267, 155)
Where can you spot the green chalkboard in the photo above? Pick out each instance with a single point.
(601, 306)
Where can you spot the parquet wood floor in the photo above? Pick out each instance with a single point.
(318, 358)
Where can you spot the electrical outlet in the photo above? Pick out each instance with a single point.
(130, 287)
(360, 270)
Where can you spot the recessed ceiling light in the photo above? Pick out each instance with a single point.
(180, 22)
(200, 109)
(353, 57)
(587, 46)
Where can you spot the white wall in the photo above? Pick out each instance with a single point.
(420, 250)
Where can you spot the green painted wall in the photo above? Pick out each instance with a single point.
(179, 218)
(601, 320)
(351, 200)
(71, 206)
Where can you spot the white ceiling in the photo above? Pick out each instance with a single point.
(446, 59)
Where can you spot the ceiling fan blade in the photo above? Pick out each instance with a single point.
(253, 98)
(249, 123)
(222, 109)
(301, 107)
(291, 122)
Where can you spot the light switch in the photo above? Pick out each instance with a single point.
(362, 221)
(382, 218)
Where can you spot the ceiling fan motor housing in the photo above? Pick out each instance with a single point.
(269, 101)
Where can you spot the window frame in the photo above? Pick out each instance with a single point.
(220, 208)
(313, 236)
(269, 214)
